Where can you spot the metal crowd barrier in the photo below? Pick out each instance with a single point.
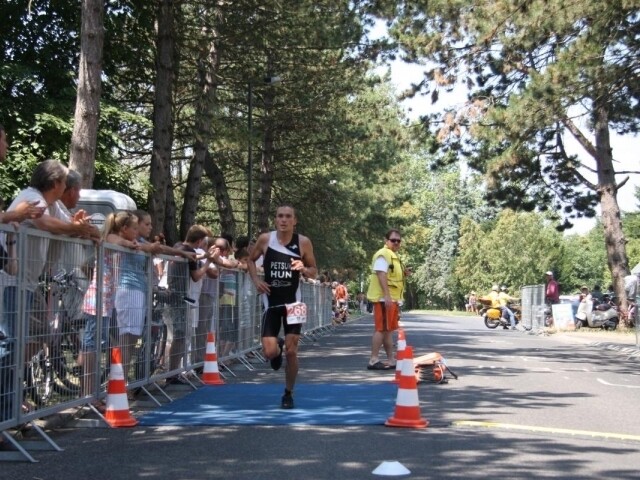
(65, 302)
(533, 306)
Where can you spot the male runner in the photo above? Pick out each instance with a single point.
(286, 255)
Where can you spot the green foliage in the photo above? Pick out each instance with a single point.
(47, 137)
(38, 68)
(471, 266)
(444, 199)
(514, 251)
(353, 200)
(631, 228)
(584, 261)
(31, 142)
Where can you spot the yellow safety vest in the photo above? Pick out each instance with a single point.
(395, 277)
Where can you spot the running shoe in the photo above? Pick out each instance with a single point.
(287, 400)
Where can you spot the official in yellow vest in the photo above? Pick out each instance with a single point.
(386, 289)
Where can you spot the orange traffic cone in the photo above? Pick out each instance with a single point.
(402, 344)
(117, 414)
(407, 412)
(400, 359)
(402, 339)
(210, 372)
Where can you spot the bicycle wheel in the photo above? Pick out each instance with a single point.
(158, 348)
(156, 358)
(39, 379)
(64, 358)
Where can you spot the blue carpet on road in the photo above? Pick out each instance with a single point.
(259, 404)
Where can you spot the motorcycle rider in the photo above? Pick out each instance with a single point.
(504, 298)
(492, 297)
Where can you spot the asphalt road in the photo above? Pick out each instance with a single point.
(524, 406)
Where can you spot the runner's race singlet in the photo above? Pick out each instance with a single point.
(283, 282)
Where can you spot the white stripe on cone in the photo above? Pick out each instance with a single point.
(211, 367)
(407, 398)
(118, 401)
(116, 372)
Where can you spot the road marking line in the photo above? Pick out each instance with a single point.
(528, 428)
(604, 382)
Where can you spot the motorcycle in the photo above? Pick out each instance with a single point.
(493, 317)
(628, 315)
(602, 315)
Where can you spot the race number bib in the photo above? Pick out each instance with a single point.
(296, 313)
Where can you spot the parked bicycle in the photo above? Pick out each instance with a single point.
(53, 367)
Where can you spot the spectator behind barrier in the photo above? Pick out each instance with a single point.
(177, 273)
(87, 358)
(228, 290)
(145, 227)
(207, 304)
(47, 185)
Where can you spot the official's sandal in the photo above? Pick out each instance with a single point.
(379, 366)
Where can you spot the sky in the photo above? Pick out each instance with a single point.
(625, 149)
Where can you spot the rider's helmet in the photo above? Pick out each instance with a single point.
(504, 288)
(494, 288)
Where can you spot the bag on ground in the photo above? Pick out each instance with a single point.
(432, 368)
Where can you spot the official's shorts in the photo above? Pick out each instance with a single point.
(273, 318)
(386, 319)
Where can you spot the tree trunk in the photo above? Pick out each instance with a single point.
(170, 224)
(267, 163)
(225, 209)
(611, 221)
(208, 64)
(266, 184)
(87, 114)
(160, 169)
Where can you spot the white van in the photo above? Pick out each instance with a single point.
(100, 203)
